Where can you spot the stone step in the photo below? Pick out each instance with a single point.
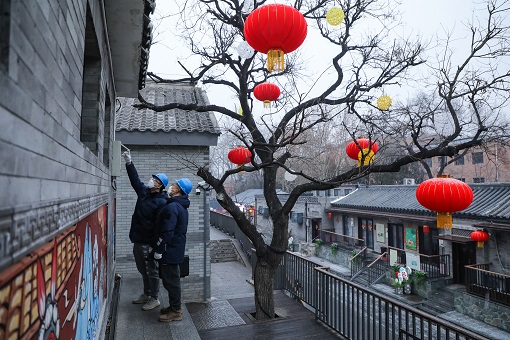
(223, 251)
(438, 303)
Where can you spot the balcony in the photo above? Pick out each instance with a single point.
(480, 281)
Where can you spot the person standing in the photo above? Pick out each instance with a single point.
(151, 198)
(170, 245)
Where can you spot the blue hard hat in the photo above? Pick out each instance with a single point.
(162, 177)
(185, 185)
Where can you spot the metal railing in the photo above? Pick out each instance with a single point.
(358, 313)
(484, 283)
(378, 268)
(358, 262)
(227, 224)
(434, 265)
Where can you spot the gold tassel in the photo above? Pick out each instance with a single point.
(238, 166)
(444, 220)
(275, 60)
(267, 104)
(369, 156)
(480, 244)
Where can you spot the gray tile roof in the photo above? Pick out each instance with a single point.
(131, 119)
(491, 201)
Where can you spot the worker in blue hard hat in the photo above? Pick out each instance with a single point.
(170, 244)
(151, 197)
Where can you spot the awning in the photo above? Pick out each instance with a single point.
(456, 239)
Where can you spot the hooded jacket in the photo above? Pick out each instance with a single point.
(148, 204)
(172, 228)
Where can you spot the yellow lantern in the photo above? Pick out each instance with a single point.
(384, 102)
(335, 16)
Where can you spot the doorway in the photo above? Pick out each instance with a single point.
(365, 231)
(316, 225)
(463, 254)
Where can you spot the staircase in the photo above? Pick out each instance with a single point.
(363, 276)
(438, 303)
(223, 251)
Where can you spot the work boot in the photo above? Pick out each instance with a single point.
(151, 304)
(141, 299)
(165, 310)
(172, 315)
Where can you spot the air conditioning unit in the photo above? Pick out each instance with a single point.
(409, 181)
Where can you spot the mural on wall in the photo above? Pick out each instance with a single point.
(57, 291)
(411, 238)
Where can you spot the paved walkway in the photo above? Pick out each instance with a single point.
(229, 283)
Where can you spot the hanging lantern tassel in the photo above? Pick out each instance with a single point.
(444, 220)
(369, 156)
(275, 60)
(479, 244)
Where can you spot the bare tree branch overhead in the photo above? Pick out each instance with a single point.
(462, 103)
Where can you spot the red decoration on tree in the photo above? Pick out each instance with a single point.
(426, 229)
(480, 237)
(330, 215)
(239, 155)
(266, 92)
(365, 149)
(444, 195)
(274, 30)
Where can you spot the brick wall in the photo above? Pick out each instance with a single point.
(49, 178)
(169, 160)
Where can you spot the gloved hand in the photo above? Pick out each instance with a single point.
(158, 256)
(127, 156)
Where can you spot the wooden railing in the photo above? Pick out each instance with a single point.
(348, 241)
(434, 265)
(484, 283)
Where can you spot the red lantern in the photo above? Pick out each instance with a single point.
(365, 149)
(274, 30)
(444, 195)
(266, 92)
(239, 155)
(480, 237)
(330, 215)
(426, 229)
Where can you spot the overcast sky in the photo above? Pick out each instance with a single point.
(429, 20)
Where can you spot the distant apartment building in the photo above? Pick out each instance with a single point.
(490, 164)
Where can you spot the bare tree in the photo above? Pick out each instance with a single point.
(467, 100)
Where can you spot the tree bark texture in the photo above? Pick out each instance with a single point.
(263, 280)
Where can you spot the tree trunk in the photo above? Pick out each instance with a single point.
(263, 281)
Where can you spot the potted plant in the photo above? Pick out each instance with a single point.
(318, 244)
(402, 280)
(399, 286)
(334, 247)
(419, 277)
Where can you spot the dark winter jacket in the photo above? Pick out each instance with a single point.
(172, 228)
(143, 221)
